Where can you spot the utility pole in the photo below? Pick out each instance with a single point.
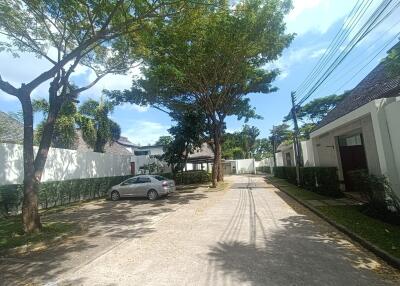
(296, 143)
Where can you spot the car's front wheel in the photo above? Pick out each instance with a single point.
(152, 195)
(115, 196)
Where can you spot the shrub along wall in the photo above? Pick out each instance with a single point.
(57, 193)
(189, 177)
(264, 169)
(323, 180)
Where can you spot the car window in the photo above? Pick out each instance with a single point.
(142, 180)
(160, 178)
(130, 181)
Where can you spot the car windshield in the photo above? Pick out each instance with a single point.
(160, 178)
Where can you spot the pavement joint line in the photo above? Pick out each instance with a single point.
(388, 258)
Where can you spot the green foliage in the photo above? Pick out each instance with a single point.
(323, 180)
(64, 134)
(164, 140)
(279, 134)
(97, 128)
(264, 169)
(12, 235)
(317, 109)
(243, 144)
(210, 58)
(392, 61)
(311, 114)
(189, 177)
(187, 134)
(57, 193)
(377, 191)
(214, 52)
(383, 235)
(263, 149)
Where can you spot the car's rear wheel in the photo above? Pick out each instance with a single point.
(115, 196)
(152, 195)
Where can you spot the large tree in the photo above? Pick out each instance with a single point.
(317, 109)
(263, 149)
(240, 144)
(64, 134)
(211, 58)
(164, 140)
(102, 35)
(187, 134)
(279, 134)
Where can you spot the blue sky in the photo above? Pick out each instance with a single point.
(314, 21)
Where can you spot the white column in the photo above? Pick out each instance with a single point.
(383, 143)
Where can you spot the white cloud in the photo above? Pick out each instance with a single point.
(145, 132)
(299, 6)
(317, 53)
(316, 15)
(295, 56)
(134, 107)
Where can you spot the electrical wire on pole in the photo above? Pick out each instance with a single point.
(347, 27)
(296, 143)
(376, 18)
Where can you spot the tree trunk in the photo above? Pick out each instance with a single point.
(220, 174)
(217, 168)
(30, 213)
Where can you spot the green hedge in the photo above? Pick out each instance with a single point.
(190, 177)
(323, 180)
(57, 193)
(263, 169)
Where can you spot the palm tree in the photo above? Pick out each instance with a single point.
(97, 128)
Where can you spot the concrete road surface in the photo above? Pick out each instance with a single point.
(251, 234)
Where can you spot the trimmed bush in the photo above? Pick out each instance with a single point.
(57, 193)
(263, 169)
(382, 202)
(279, 172)
(323, 180)
(189, 177)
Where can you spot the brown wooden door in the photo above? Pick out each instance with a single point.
(353, 158)
(133, 168)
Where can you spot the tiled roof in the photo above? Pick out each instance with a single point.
(204, 152)
(115, 148)
(377, 84)
(11, 130)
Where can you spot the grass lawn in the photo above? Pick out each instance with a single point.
(296, 191)
(385, 236)
(12, 236)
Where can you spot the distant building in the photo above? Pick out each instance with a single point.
(137, 150)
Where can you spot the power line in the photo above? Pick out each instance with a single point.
(376, 18)
(347, 27)
(370, 61)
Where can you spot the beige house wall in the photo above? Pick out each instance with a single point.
(327, 146)
(378, 121)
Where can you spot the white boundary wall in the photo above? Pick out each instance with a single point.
(245, 166)
(62, 164)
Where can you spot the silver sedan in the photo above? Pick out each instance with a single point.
(150, 186)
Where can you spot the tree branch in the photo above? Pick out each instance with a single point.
(8, 88)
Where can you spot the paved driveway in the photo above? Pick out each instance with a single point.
(251, 234)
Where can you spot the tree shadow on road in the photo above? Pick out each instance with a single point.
(104, 224)
(300, 251)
